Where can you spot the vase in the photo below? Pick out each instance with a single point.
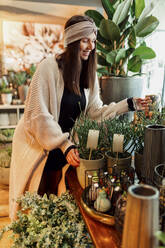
(154, 150)
(142, 217)
(88, 166)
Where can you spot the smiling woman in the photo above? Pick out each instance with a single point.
(60, 89)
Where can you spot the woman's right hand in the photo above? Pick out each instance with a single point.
(73, 157)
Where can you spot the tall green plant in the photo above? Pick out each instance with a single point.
(120, 40)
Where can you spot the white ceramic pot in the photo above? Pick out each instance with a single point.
(88, 165)
(6, 98)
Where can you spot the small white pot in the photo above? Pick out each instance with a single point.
(6, 98)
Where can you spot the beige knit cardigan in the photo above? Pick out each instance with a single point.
(38, 131)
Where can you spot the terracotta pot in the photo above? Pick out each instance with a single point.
(142, 217)
(87, 165)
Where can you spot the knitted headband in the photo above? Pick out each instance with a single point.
(78, 31)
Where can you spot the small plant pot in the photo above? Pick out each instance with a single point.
(122, 163)
(6, 98)
(87, 165)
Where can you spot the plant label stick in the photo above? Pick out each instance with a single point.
(92, 141)
(118, 140)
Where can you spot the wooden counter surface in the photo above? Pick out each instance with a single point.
(103, 236)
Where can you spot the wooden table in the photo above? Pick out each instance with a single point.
(103, 236)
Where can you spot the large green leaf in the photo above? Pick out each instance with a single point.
(102, 40)
(101, 60)
(111, 57)
(109, 30)
(108, 7)
(132, 39)
(134, 64)
(122, 11)
(144, 52)
(95, 15)
(148, 9)
(139, 6)
(121, 54)
(146, 26)
(103, 70)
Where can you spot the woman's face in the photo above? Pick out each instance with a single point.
(87, 44)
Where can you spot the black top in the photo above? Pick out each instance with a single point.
(71, 107)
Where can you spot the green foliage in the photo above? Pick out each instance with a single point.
(121, 35)
(20, 77)
(80, 135)
(119, 125)
(4, 88)
(6, 135)
(161, 237)
(139, 128)
(48, 222)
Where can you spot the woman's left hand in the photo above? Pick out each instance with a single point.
(142, 103)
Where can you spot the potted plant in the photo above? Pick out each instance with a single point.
(6, 91)
(124, 127)
(121, 48)
(89, 159)
(20, 81)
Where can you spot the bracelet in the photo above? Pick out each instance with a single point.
(68, 150)
(130, 104)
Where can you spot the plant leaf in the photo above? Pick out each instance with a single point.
(103, 70)
(95, 15)
(111, 57)
(121, 54)
(134, 64)
(109, 30)
(146, 26)
(101, 48)
(148, 9)
(144, 52)
(103, 40)
(122, 11)
(108, 7)
(132, 39)
(101, 60)
(139, 6)
(161, 236)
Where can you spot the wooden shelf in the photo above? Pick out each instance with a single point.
(11, 109)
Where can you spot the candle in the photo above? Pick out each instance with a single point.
(118, 140)
(92, 140)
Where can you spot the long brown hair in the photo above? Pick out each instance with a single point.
(77, 73)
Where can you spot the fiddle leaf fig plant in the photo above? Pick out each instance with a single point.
(121, 48)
